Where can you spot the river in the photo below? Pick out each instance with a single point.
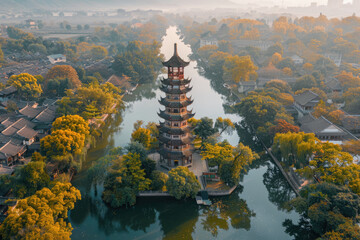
(252, 212)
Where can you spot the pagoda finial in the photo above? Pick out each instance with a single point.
(175, 49)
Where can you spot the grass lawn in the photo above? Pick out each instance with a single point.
(216, 186)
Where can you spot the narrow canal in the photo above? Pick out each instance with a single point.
(252, 212)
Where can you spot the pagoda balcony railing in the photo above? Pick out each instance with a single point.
(174, 114)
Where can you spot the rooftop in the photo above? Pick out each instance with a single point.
(175, 60)
(306, 97)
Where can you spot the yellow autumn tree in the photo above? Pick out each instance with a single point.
(43, 215)
(26, 84)
(239, 69)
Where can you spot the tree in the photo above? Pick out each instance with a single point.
(242, 156)
(182, 183)
(26, 84)
(74, 123)
(1, 56)
(158, 180)
(79, 27)
(217, 154)
(279, 84)
(42, 215)
(68, 27)
(57, 86)
(204, 129)
(63, 72)
(124, 181)
(239, 69)
(61, 143)
(277, 48)
(283, 126)
(142, 135)
(352, 100)
(294, 148)
(37, 48)
(30, 179)
(329, 208)
(224, 125)
(307, 81)
(86, 26)
(352, 146)
(98, 52)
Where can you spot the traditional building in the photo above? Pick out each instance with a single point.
(174, 133)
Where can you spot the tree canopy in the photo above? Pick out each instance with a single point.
(42, 215)
(182, 183)
(26, 84)
(64, 72)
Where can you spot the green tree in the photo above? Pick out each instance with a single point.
(42, 215)
(307, 81)
(98, 52)
(26, 84)
(124, 181)
(182, 183)
(204, 129)
(30, 179)
(37, 48)
(158, 180)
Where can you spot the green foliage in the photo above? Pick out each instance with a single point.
(182, 183)
(37, 48)
(147, 136)
(330, 208)
(64, 72)
(295, 148)
(26, 84)
(30, 179)
(141, 62)
(124, 180)
(42, 215)
(91, 101)
(224, 125)
(16, 33)
(57, 86)
(158, 180)
(98, 52)
(307, 81)
(204, 128)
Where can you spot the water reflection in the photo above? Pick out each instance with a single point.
(227, 211)
(279, 189)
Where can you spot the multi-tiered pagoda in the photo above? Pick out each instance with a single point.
(174, 133)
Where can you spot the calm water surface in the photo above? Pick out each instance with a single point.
(252, 212)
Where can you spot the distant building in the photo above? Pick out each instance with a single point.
(56, 58)
(334, 86)
(305, 102)
(208, 41)
(7, 93)
(31, 24)
(335, 3)
(297, 60)
(246, 87)
(335, 57)
(352, 124)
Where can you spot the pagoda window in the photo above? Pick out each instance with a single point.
(176, 124)
(176, 97)
(175, 70)
(176, 110)
(176, 87)
(184, 123)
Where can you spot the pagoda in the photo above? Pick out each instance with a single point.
(174, 132)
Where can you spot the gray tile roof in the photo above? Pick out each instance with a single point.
(9, 150)
(16, 126)
(27, 133)
(8, 91)
(306, 98)
(31, 112)
(47, 115)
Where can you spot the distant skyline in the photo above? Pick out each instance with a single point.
(283, 2)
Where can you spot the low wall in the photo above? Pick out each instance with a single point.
(221, 193)
(153, 194)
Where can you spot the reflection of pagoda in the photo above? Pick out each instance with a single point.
(174, 133)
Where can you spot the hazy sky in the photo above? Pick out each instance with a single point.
(284, 2)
